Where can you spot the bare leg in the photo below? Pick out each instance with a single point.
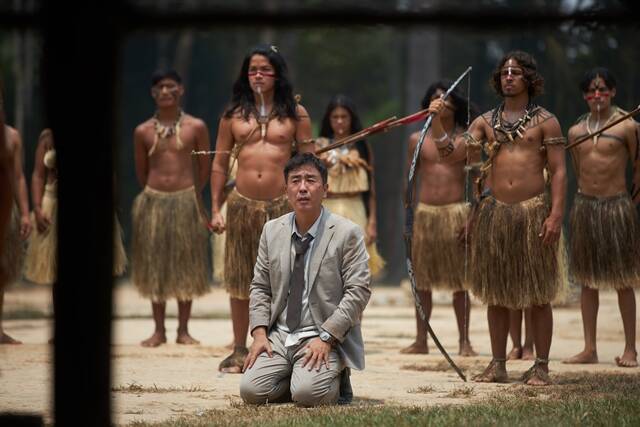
(420, 345)
(184, 312)
(589, 302)
(527, 348)
(499, 332)
(4, 338)
(462, 309)
(542, 322)
(159, 335)
(627, 304)
(240, 319)
(515, 331)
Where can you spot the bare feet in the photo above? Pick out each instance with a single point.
(416, 348)
(538, 374)
(496, 372)
(155, 340)
(466, 350)
(515, 353)
(528, 354)
(6, 339)
(185, 338)
(233, 363)
(583, 357)
(629, 359)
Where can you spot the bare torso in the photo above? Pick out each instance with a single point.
(170, 167)
(517, 170)
(601, 167)
(439, 183)
(261, 161)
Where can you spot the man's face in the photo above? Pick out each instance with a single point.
(598, 95)
(261, 74)
(340, 121)
(449, 109)
(305, 189)
(512, 79)
(167, 93)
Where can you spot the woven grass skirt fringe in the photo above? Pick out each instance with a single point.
(352, 208)
(605, 242)
(12, 259)
(41, 261)
(438, 256)
(245, 220)
(169, 253)
(41, 264)
(510, 265)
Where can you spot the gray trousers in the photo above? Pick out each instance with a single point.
(282, 378)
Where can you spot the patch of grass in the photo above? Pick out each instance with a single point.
(136, 388)
(576, 399)
(461, 392)
(425, 389)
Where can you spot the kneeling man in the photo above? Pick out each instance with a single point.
(310, 286)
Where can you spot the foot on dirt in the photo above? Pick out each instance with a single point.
(185, 338)
(6, 339)
(583, 357)
(538, 374)
(416, 348)
(496, 372)
(629, 359)
(528, 354)
(233, 364)
(157, 339)
(515, 353)
(466, 350)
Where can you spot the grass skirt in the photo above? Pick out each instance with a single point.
(41, 260)
(352, 208)
(510, 267)
(605, 242)
(438, 257)
(245, 220)
(169, 253)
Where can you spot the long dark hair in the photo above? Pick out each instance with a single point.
(356, 125)
(457, 99)
(243, 100)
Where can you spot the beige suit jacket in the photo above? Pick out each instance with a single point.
(338, 274)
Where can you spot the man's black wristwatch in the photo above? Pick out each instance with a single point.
(328, 338)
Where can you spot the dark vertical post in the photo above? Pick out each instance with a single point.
(79, 69)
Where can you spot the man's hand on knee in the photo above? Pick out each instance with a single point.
(317, 354)
(260, 344)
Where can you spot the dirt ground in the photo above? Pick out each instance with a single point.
(174, 380)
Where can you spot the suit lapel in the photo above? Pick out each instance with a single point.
(284, 243)
(325, 230)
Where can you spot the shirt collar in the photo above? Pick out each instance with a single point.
(313, 231)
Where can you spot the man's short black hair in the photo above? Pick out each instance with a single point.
(601, 72)
(302, 159)
(165, 74)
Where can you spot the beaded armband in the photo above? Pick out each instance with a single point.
(558, 140)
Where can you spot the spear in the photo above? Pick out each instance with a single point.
(599, 131)
(378, 127)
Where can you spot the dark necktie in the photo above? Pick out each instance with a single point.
(296, 283)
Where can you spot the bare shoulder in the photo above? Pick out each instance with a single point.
(575, 130)
(301, 112)
(542, 115)
(143, 128)
(413, 139)
(13, 137)
(195, 122)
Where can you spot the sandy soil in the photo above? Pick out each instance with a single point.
(174, 380)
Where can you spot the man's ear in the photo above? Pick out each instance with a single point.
(613, 92)
(326, 190)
